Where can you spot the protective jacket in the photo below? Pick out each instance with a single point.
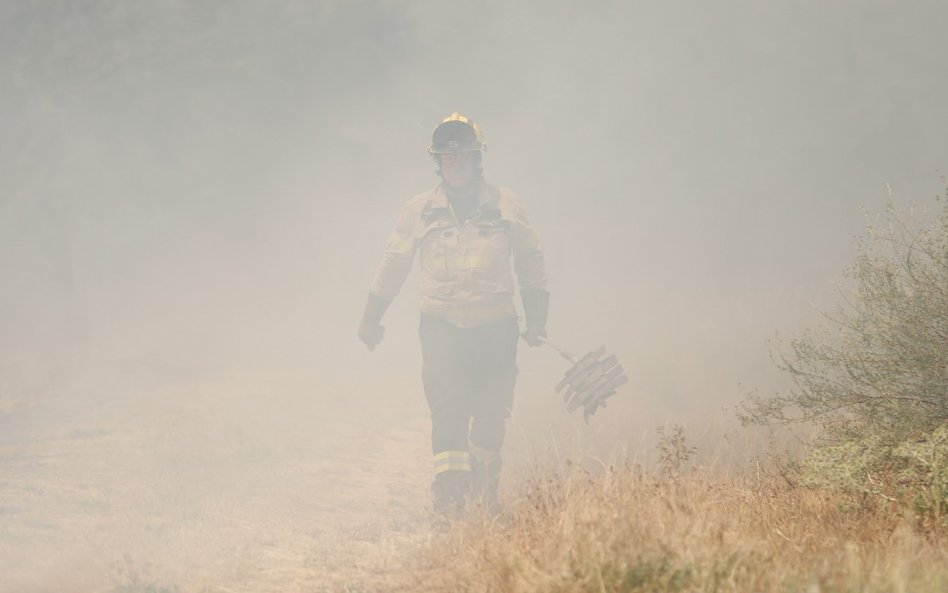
(466, 269)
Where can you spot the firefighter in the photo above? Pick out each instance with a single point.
(470, 237)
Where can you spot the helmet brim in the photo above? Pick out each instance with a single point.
(459, 150)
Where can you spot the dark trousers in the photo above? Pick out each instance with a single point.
(469, 377)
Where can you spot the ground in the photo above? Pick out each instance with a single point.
(269, 482)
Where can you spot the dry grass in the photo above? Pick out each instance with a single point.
(224, 487)
(623, 530)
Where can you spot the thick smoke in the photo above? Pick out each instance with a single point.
(192, 190)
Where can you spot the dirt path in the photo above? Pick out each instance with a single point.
(262, 483)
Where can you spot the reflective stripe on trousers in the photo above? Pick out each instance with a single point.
(452, 460)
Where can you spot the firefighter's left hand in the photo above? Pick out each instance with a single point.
(534, 336)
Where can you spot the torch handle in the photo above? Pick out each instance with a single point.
(560, 350)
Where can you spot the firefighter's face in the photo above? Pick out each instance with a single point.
(459, 170)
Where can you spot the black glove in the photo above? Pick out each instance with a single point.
(371, 335)
(371, 331)
(536, 307)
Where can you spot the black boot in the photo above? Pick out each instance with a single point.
(448, 491)
(486, 479)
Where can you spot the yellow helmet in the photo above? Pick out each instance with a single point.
(456, 133)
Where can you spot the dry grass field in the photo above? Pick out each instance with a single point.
(277, 483)
(247, 483)
(623, 530)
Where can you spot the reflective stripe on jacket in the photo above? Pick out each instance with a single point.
(466, 271)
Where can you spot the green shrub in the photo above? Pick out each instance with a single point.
(875, 379)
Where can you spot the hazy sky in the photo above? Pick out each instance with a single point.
(193, 187)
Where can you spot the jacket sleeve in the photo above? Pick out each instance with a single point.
(528, 253)
(397, 259)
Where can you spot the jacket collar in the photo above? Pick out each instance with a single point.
(488, 197)
(439, 207)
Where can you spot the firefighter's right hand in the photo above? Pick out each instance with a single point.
(534, 336)
(371, 334)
